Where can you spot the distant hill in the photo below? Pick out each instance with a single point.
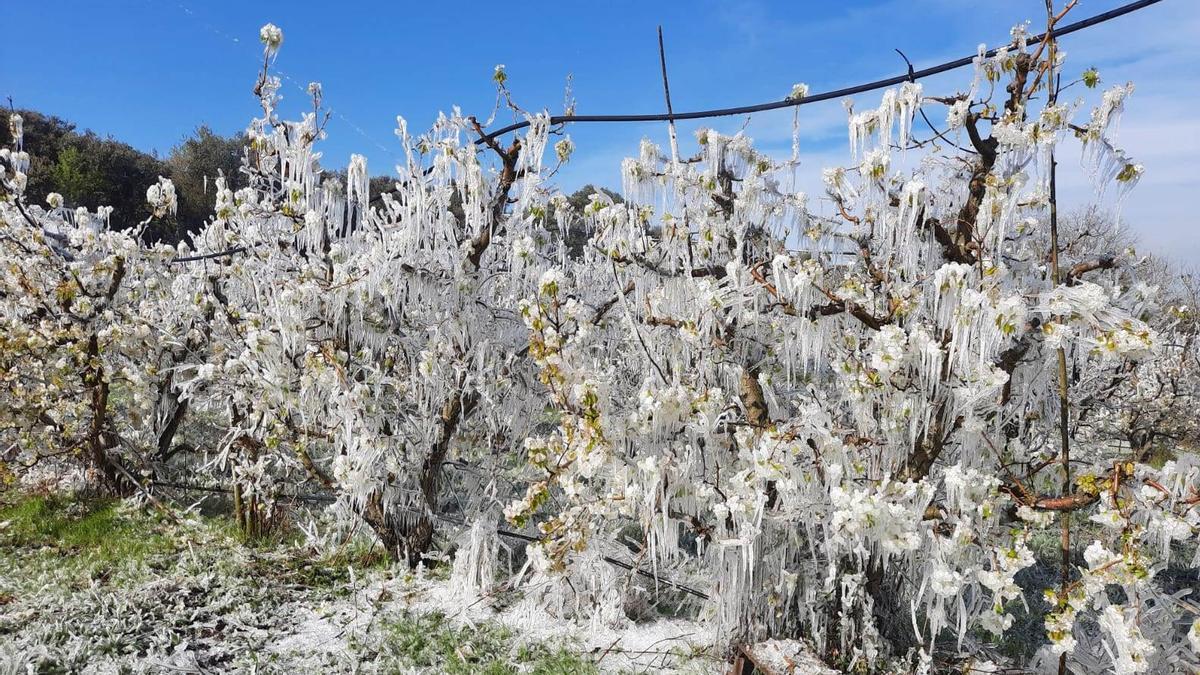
(91, 171)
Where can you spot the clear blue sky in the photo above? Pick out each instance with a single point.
(149, 72)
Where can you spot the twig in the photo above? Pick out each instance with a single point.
(662, 59)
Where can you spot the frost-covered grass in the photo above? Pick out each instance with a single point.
(431, 641)
(109, 586)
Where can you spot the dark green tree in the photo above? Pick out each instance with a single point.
(106, 172)
(44, 138)
(577, 234)
(87, 170)
(194, 165)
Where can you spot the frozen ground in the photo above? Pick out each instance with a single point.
(100, 588)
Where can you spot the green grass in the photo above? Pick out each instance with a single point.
(92, 531)
(332, 570)
(432, 642)
(1160, 455)
(95, 536)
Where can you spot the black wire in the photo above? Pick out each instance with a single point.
(825, 95)
(206, 256)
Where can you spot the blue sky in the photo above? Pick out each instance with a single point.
(149, 72)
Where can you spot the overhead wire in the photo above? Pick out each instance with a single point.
(909, 76)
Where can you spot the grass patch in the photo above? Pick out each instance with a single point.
(431, 641)
(85, 538)
(97, 530)
(331, 570)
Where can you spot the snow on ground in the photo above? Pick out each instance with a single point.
(663, 644)
(330, 631)
(787, 657)
(187, 598)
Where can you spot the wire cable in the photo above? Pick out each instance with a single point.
(826, 95)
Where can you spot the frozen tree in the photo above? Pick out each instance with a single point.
(846, 418)
(848, 424)
(89, 322)
(362, 338)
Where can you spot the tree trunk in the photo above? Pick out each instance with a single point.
(98, 440)
(405, 536)
(170, 422)
(408, 535)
